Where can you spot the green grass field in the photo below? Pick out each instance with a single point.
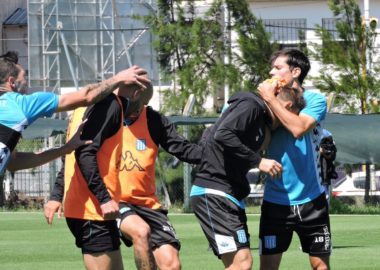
(27, 242)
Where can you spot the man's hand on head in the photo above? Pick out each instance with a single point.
(133, 75)
(268, 89)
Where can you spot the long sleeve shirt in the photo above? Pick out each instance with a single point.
(232, 146)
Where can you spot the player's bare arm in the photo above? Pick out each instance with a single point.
(93, 93)
(25, 160)
(298, 125)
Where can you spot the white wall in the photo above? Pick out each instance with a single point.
(6, 8)
(312, 11)
(17, 40)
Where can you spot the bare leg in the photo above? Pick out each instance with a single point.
(135, 228)
(167, 257)
(270, 262)
(103, 261)
(239, 260)
(320, 263)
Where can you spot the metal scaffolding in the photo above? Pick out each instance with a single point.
(76, 42)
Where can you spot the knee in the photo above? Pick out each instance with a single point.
(170, 264)
(142, 233)
(320, 266)
(319, 263)
(246, 263)
(240, 260)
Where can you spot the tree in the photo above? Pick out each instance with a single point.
(254, 42)
(345, 55)
(191, 50)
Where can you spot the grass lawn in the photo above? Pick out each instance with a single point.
(26, 242)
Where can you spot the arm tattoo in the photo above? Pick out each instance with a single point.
(98, 91)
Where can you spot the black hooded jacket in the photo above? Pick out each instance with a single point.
(232, 146)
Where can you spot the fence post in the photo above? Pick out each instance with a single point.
(2, 195)
(186, 167)
(367, 183)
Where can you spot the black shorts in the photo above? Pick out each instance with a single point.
(310, 221)
(223, 222)
(162, 232)
(94, 236)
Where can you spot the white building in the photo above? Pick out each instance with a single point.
(284, 18)
(96, 47)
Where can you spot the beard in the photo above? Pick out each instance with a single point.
(20, 87)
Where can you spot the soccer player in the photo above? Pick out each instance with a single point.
(91, 184)
(144, 222)
(296, 201)
(18, 111)
(231, 149)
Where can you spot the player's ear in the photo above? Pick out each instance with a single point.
(288, 105)
(296, 72)
(11, 81)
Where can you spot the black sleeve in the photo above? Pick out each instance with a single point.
(163, 133)
(59, 185)
(234, 126)
(103, 122)
(205, 135)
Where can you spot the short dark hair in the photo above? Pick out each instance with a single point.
(296, 58)
(295, 96)
(7, 69)
(11, 56)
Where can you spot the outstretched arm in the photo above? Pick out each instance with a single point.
(25, 160)
(93, 93)
(165, 134)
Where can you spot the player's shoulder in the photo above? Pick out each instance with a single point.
(152, 113)
(313, 95)
(246, 97)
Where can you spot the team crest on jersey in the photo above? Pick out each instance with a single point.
(242, 237)
(270, 241)
(128, 162)
(141, 144)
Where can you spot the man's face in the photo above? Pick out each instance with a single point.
(21, 86)
(287, 105)
(135, 105)
(134, 110)
(283, 71)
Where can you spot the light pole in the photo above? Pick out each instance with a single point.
(366, 23)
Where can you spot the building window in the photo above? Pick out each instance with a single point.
(336, 42)
(289, 33)
(329, 24)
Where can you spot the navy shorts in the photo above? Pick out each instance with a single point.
(162, 231)
(223, 222)
(310, 221)
(94, 236)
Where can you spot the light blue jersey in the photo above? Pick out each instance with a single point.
(18, 111)
(300, 181)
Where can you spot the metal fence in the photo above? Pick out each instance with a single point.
(36, 182)
(172, 176)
